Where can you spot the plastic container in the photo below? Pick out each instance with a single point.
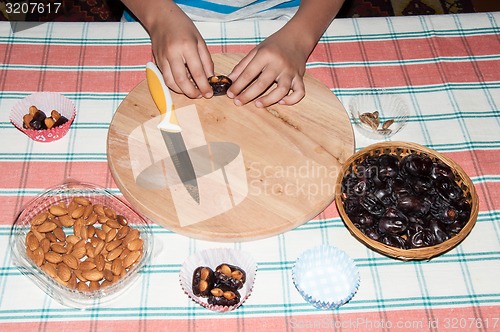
(65, 193)
(378, 116)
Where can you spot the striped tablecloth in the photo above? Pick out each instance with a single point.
(447, 68)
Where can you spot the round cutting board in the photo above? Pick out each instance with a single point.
(259, 171)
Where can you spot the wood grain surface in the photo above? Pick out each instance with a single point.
(260, 172)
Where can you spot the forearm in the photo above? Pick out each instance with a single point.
(150, 11)
(311, 21)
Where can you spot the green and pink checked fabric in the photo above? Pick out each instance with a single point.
(447, 68)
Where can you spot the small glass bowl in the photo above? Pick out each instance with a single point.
(65, 193)
(378, 116)
(326, 277)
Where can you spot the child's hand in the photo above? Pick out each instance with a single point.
(278, 59)
(182, 55)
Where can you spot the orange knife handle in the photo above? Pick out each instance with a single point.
(162, 98)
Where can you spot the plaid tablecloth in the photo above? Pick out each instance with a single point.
(447, 68)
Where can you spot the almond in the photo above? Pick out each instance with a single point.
(99, 209)
(86, 266)
(31, 241)
(112, 223)
(77, 228)
(49, 269)
(124, 254)
(66, 221)
(106, 228)
(131, 236)
(38, 235)
(69, 248)
(81, 200)
(122, 232)
(63, 272)
(56, 221)
(110, 213)
(89, 210)
(103, 220)
(113, 244)
(46, 227)
(83, 232)
(82, 287)
(90, 231)
(58, 210)
(99, 246)
(114, 254)
(131, 258)
(93, 275)
(100, 234)
(59, 248)
(135, 245)
(92, 219)
(78, 274)
(72, 206)
(108, 275)
(78, 252)
(53, 257)
(94, 285)
(78, 212)
(79, 243)
(45, 244)
(72, 281)
(72, 239)
(105, 283)
(59, 233)
(110, 236)
(89, 249)
(100, 262)
(38, 256)
(39, 219)
(122, 220)
(70, 261)
(117, 267)
(51, 237)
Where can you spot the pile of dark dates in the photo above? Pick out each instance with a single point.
(408, 202)
(220, 286)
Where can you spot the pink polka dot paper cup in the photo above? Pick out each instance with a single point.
(45, 102)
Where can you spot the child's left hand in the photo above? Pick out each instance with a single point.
(279, 59)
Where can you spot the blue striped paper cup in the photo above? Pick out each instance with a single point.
(326, 277)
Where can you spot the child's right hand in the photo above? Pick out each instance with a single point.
(181, 53)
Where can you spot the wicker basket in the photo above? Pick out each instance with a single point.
(402, 149)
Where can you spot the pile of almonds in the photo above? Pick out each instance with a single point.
(38, 120)
(83, 246)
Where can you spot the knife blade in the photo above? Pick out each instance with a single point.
(171, 131)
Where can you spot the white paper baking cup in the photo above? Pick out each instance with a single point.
(213, 258)
(326, 277)
(389, 107)
(44, 101)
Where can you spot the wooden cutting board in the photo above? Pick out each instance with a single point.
(260, 172)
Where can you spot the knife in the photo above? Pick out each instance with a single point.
(171, 131)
